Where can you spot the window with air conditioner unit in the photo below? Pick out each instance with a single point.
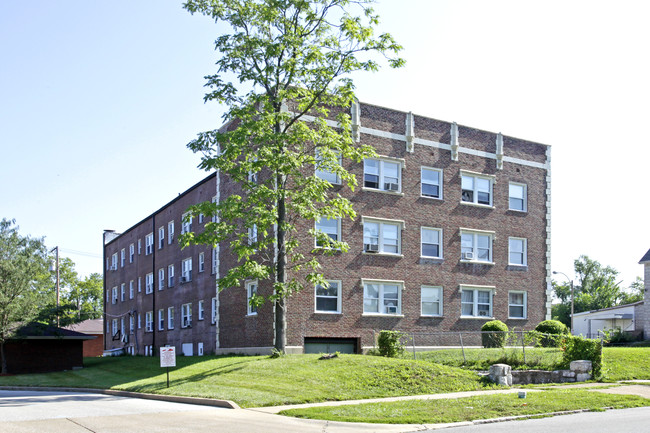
(186, 270)
(476, 245)
(382, 174)
(382, 297)
(382, 236)
(476, 301)
(186, 316)
(148, 321)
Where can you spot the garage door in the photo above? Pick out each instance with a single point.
(330, 345)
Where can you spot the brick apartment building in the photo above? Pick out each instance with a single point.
(453, 229)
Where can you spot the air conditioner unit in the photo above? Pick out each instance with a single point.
(392, 187)
(371, 248)
(391, 309)
(468, 256)
(113, 268)
(187, 323)
(186, 279)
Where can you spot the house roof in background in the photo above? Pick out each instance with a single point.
(645, 258)
(90, 326)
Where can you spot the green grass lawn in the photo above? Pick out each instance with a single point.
(482, 359)
(626, 363)
(259, 381)
(469, 409)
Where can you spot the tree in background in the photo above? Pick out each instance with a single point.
(23, 263)
(595, 287)
(292, 59)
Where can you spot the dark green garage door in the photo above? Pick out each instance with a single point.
(330, 345)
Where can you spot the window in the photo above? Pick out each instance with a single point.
(201, 218)
(122, 257)
(251, 289)
(131, 290)
(328, 297)
(329, 227)
(161, 237)
(214, 217)
(476, 302)
(187, 223)
(517, 197)
(148, 244)
(170, 276)
(170, 232)
(431, 182)
(131, 324)
(139, 284)
(148, 283)
(214, 261)
(214, 310)
(186, 270)
(476, 246)
(122, 327)
(381, 236)
(201, 309)
(201, 262)
(382, 297)
(382, 175)
(517, 305)
(252, 235)
(161, 319)
(323, 172)
(139, 321)
(114, 295)
(139, 246)
(431, 299)
(252, 175)
(517, 252)
(148, 321)
(170, 318)
(431, 242)
(114, 327)
(476, 189)
(186, 316)
(161, 278)
(131, 253)
(114, 262)
(122, 292)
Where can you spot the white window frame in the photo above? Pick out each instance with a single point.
(381, 299)
(337, 297)
(186, 315)
(474, 258)
(122, 257)
(201, 262)
(161, 278)
(214, 310)
(338, 231)
(131, 253)
(523, 306)
(170, 275)
(139, 284)
(475, 301)
(251, 288)
(148, 244)
(139, 246)
(214, 261)
(131, 290)
(524, 253)
(433, 229)
(326, 175)
(381, 238)
(161, 237)
(186, 225)
(186, 270)
(201, 218)
(114, 327)
(122, 292)
(161, 319)
(381, 175)
(114, 299)
(170, 232)
(139, 321)
(423, 182)
(475, 189)
(148, 321)
(114, 262)
(252, 235)
(201, 310)
(427, 300)
(131, 324)
(148, 283)
(170, 318)
(214, 217)
(524, 199)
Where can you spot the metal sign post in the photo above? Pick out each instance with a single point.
(168, 359)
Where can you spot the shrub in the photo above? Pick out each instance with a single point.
(554, 330)
(495, 333)
(578, 348)
(616, 336)
(389, 344)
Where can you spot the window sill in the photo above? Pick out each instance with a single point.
(518, 211)
(512, 267)
(485, 206)
(327, 312)
(252, 315)
(517, 318)
(397, 193)
(365, 253)
(431, 198)
(432, 259)
(477, 317)
(427, 316)
(381, 315)
(477, 262)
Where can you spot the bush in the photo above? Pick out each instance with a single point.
(616, 336)
(498, 336)
(579, 348)
(389, 344)
(554, 330)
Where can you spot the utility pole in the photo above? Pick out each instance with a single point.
(57, 284)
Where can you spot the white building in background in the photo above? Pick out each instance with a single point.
(592, 324)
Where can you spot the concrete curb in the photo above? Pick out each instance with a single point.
(171, 398)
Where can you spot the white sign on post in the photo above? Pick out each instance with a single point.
(168, 356)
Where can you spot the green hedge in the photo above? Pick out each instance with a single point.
(498, 337)
(389, 344)
(579, 348)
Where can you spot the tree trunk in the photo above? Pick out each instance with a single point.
(3, 360)
(281, 262)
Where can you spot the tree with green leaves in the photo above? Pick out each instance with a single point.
(285, 118)
(23, 262)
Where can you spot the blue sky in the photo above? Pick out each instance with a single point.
(98, 100)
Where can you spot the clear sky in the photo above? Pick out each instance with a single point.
(98, 100)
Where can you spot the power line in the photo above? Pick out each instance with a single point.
(81, 253)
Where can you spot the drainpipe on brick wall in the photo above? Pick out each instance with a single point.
(104, 284)
(153, 293)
